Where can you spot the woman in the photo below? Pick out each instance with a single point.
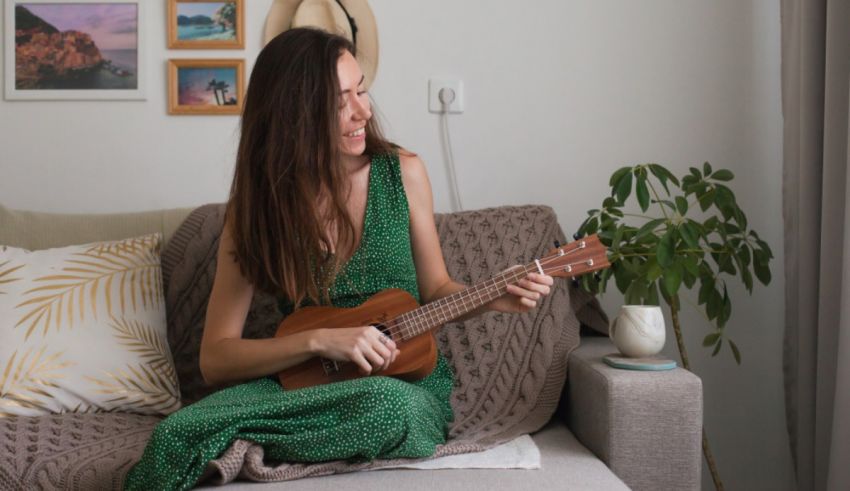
(323, 210)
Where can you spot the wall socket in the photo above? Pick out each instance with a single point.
(434, 86)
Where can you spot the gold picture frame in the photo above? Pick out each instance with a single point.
(206, 86)
(198, 24)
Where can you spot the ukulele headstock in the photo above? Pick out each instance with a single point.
(582, 256)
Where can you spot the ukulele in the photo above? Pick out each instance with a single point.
(398, 315)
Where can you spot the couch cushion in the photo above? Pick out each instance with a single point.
(71, 451)
(34, 230)
(565, 464)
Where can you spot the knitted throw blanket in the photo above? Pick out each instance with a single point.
(510, 369)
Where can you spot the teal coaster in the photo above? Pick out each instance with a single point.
(617, 360)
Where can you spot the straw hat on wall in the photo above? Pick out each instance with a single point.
(351, 19)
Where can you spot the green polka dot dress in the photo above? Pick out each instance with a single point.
(362, 419)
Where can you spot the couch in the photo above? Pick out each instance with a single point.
(613, 429)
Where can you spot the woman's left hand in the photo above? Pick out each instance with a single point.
(524, 295)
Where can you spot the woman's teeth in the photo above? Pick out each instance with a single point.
(356, 132)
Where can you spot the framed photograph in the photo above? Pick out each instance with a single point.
(207, 86)
(205, 24)
(78, 49)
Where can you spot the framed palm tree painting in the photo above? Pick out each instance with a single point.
(206, 24)
(206, 86)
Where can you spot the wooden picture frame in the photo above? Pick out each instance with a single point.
(112, 33)
(193, 24)
(206, 86)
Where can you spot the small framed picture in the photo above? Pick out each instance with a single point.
(80, 49)
(206, 86)
(204, 24)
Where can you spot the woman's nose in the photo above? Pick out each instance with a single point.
(360, 108)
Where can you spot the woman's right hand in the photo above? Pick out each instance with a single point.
(361, 345)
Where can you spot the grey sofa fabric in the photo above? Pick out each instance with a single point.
(646, 426)
(565, 465)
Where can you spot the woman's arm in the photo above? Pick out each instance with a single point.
(226, 356)
(432, 277)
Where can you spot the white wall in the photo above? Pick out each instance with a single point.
(558, 95)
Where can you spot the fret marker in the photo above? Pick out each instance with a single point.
(539, 268)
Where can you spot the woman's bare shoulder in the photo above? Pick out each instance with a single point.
(413, 171)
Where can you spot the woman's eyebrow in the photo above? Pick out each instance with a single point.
(362, 78)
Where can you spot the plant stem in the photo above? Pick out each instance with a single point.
(683, 353)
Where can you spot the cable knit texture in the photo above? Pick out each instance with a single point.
(510, 368)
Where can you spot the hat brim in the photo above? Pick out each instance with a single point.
(282, 12)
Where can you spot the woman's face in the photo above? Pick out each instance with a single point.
(354, 107)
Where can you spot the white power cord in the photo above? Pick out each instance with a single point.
(447, 96)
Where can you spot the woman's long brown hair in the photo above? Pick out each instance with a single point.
(288, 157)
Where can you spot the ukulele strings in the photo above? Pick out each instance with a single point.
(407, 323)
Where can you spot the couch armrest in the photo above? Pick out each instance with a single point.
(646, 426)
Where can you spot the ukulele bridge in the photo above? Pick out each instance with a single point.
(330, 366)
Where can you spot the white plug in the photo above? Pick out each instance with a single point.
(445, 96)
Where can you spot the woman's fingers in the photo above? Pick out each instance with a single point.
(375, 359)
(360, 360)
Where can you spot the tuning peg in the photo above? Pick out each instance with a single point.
(576, 236)
(597, 277)
(575, 282)
(557, 244)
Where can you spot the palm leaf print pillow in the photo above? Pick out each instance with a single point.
(82, 329)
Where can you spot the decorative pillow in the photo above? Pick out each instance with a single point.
(82, 329)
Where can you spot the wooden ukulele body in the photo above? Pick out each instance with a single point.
(418, 355)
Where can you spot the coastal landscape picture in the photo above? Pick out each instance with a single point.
(205, 86)
(203, 24)
(83, 49)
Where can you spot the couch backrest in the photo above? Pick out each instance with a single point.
(35, 230)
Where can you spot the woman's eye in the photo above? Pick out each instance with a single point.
(362, 92)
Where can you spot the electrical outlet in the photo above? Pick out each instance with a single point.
(434, 103)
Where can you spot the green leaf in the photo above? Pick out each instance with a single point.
(712, 308)
(635, 292)
(706, 168)
(624, 188)
(724, 199)
(659, 174)
(664, 251)
(609, 202)
(618, 237)
(691, 264)
(672, 278)
(711, 339)
(652, 299)
(717, 348)
(725, 309)
(617, 175)
(735, 352)
(706, 285)
(648, 227)
(653, 270)
(696, 172)
(688, 237)
(723, 175)
(642, 193)
(707, 199)
(760, 267)
(682, 205)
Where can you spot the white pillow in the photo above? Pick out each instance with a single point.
(82, 329)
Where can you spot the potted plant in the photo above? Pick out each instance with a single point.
(695, 236)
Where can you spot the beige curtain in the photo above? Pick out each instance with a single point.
(816, 209)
